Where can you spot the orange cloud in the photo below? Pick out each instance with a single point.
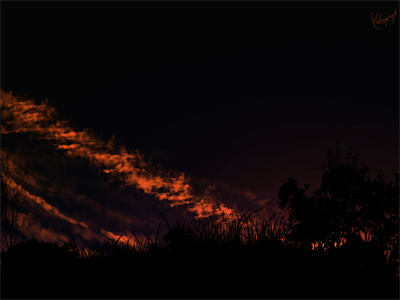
(15, 167)
(23, 116)
(15, 187)
(32, 229)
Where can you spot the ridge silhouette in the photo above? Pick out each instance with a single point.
(340, 242)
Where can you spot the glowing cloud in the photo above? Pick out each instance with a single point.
(15, 187)
(24, 116)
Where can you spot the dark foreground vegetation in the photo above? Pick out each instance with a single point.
(197, 269)
(339, 242)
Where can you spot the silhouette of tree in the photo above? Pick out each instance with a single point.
(349, 205)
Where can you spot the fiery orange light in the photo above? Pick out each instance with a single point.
(23, 116)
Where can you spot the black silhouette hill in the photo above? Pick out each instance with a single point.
(190, 270)
(319, 253)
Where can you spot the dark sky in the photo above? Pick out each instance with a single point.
(246, 94)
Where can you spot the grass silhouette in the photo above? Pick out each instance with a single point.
(219, 258)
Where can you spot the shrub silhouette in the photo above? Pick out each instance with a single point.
(251, 256)
(348, 206)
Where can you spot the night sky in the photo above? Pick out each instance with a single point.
(237, 95)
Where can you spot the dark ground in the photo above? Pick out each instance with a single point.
(265, 270)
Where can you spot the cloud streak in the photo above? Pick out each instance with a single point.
(24, 116)
(22, 192)
(20, 115)
(31, 227)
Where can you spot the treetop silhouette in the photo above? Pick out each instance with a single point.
(349, 206)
